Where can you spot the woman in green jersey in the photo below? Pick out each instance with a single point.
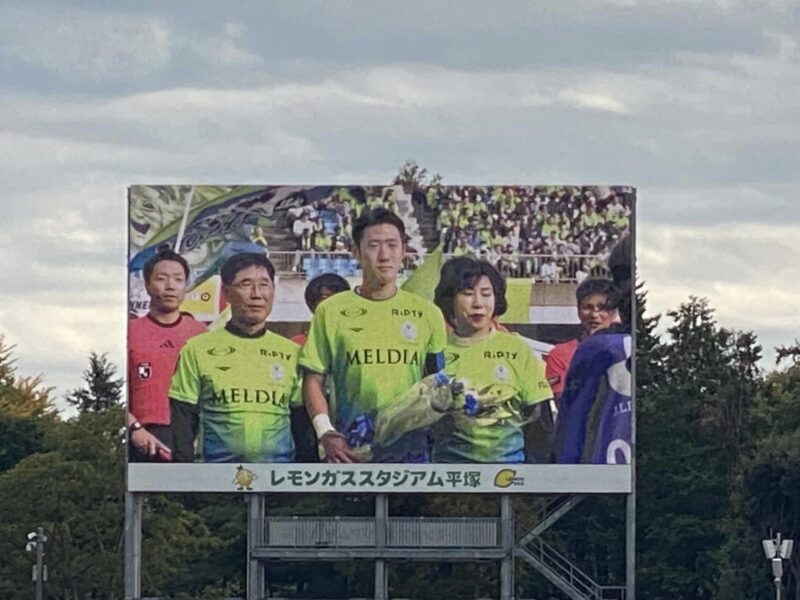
(491, 363)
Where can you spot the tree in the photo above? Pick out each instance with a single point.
(411, 176)
(26, 410)
(102, 390)
(691, 432)
(21, 396)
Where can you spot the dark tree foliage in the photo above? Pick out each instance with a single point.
(102, 390)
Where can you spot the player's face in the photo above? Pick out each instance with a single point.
(251, 294)
(474, 309)
(166, 286)
(380, 254)
(593, 313)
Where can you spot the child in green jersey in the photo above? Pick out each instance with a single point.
(471, 293)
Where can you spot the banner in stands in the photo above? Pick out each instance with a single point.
(333, 337)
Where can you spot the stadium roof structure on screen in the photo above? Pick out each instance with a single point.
(510, 438)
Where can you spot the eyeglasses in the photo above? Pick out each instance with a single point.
(248, 286)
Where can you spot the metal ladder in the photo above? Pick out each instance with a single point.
(553, 565)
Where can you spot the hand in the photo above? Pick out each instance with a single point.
(147, 443)
(336, 448)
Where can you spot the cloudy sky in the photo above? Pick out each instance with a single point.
(696, 103)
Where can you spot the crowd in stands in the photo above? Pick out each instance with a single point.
(326, 225)
(549, 233)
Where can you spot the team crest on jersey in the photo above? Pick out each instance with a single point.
(145, 371)
(409, 330)
(277, 372)
(501, 373)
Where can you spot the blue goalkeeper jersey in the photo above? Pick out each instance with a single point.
(594, 420)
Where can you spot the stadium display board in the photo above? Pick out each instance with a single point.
(421, 394)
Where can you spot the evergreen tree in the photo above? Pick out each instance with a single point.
(102, 389)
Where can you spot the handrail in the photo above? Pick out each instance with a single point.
(569, 268)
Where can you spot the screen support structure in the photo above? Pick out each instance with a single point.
(133, 546)
(529, 548)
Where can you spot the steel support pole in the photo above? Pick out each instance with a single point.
(507, 541)
(381, 524)
(133, 546)
(256, 512)
(630, 502)
(39, 564)
(630, 547)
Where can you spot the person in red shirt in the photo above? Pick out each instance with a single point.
(154, 342)
(593, 295)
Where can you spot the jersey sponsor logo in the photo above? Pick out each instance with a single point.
(167, 344)
(276, 371)
(353, 312)
(406, 312)
(409, 331)
(501, 373)
(235, 395)
(500, 354)
(276, 354)
(221, 351)
(356, 329)
(144, 370)
(223, 369)
(507, 477)
(382, 356)
(451, 357)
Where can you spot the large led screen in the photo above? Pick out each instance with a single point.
(380, 338)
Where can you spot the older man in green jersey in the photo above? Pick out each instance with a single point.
(240, 383)
(375, 342)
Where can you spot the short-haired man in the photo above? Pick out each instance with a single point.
(154, 342)
(375, 342)
(596, 302)
(240, 382)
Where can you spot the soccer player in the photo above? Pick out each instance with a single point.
(594, 424)
(471, 294)
(238, 384)
(374, 342)
(595, 300)
(154, 342)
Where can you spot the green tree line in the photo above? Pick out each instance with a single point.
(718, 470)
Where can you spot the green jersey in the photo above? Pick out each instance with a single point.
(373, 350)
(502, 360)
(244, 388)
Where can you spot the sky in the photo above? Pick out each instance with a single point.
(695, 103)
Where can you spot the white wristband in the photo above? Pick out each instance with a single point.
(322, 425)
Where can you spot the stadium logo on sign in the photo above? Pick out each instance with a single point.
(507, 477)
(144, 370)
(354, 312)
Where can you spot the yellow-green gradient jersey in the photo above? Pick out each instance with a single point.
(502, 360)
(373, 350)
(244, 387)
